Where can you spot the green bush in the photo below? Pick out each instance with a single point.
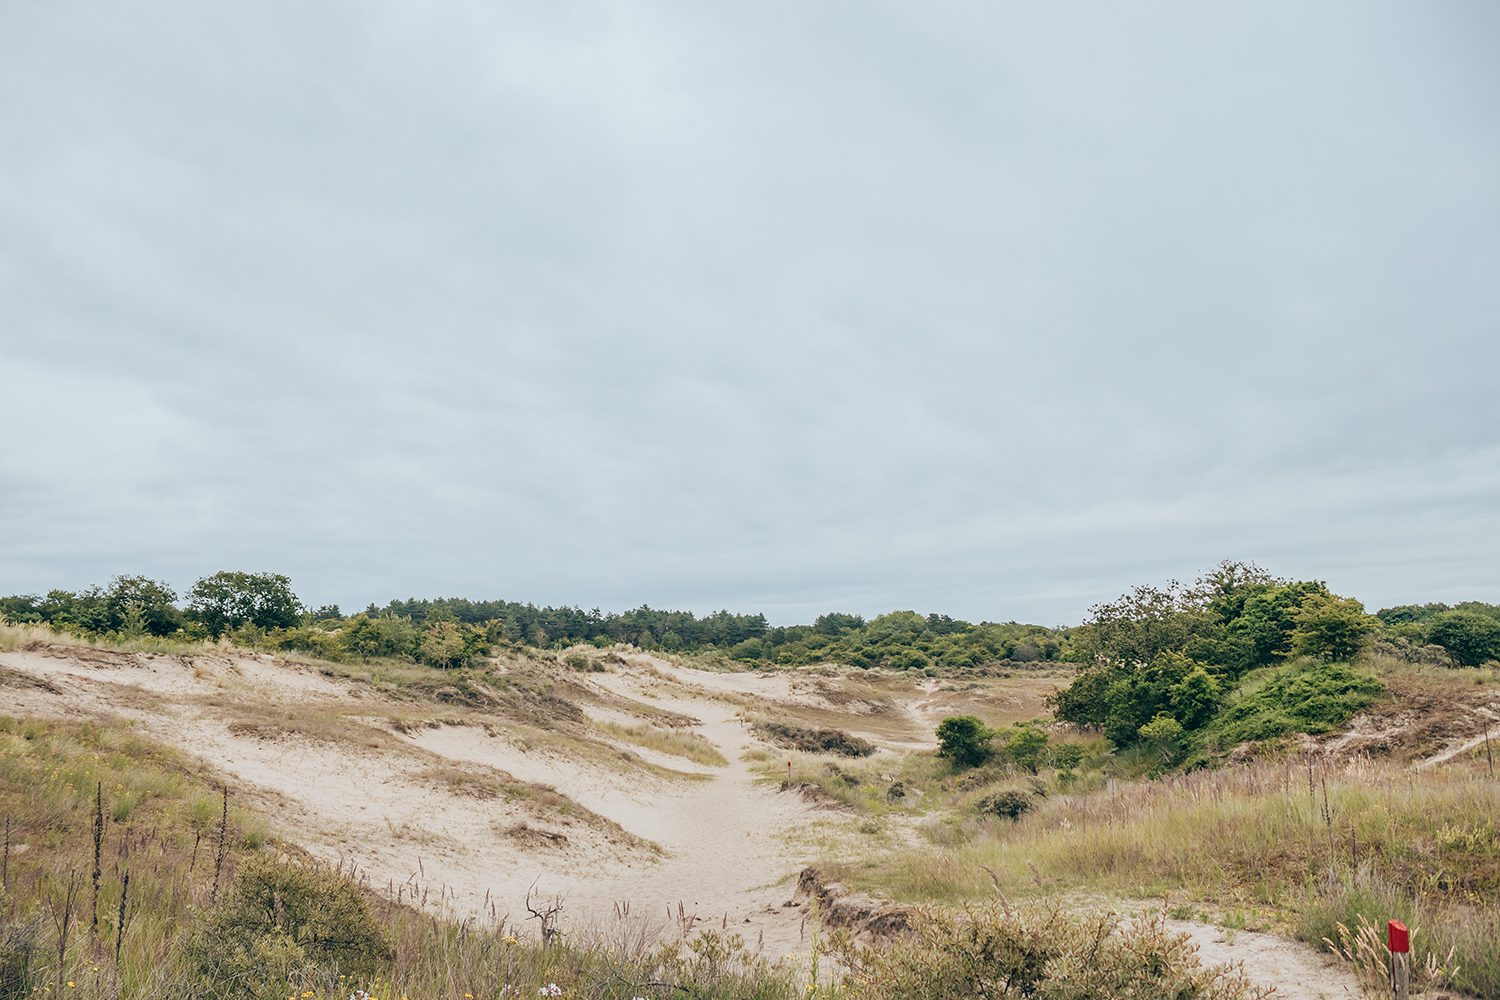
(1302, 697)
(965, 740)
(1165, 734)
(1026, 747)
(285, 923)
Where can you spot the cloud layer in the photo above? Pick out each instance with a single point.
(987, 309)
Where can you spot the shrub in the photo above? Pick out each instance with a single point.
(965, 740)
(1165, 734)
(815, 740)
(1026, 747)
(1009, 804)
(1331, 628)
(1067, 756)
(285, 923)
(1039, 953)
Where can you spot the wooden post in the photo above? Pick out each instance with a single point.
(1398, 939)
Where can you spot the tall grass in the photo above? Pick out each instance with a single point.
(1328, 843)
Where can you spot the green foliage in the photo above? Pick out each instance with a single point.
(1165, 734)
(1066, 756)
(368, 638)
(285, 923)
(1026, 747)
(1302, 697)
(229, 600)
(1118, 698)
(965, 740)
(1269, 619)
(1471, 637)
(1164, 661)
(450, 645)
(1331, 628)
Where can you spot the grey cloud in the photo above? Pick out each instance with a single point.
(986, 309)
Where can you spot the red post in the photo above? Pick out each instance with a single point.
(1398, 940)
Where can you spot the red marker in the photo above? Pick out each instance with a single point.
(1397, 937)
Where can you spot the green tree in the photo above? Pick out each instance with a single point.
(1195, 698)
(1140, 626)
(1330, 628)
(368, 637)
(1066, 756)
(229, 600)
(1269, 619)
(450, 644)
(135, 602)
(1469, 637)
(965, 740)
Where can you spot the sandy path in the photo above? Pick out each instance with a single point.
(1296, 970)
(1454, 751)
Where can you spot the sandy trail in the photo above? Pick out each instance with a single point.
(1297, 971)
(1482, 739)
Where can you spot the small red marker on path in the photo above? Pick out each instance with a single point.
(1398, 940)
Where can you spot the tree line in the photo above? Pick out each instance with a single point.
(1175, 650)
(261, 610)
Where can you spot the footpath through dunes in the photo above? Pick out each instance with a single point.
(461, 803)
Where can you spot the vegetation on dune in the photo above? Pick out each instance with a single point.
(1238, 656)
(1038, 952)
(810, 740)
(675, 742)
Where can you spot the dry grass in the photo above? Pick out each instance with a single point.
(674, 742)
(1282, 837)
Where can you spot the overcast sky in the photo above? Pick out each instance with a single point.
(987, 308)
